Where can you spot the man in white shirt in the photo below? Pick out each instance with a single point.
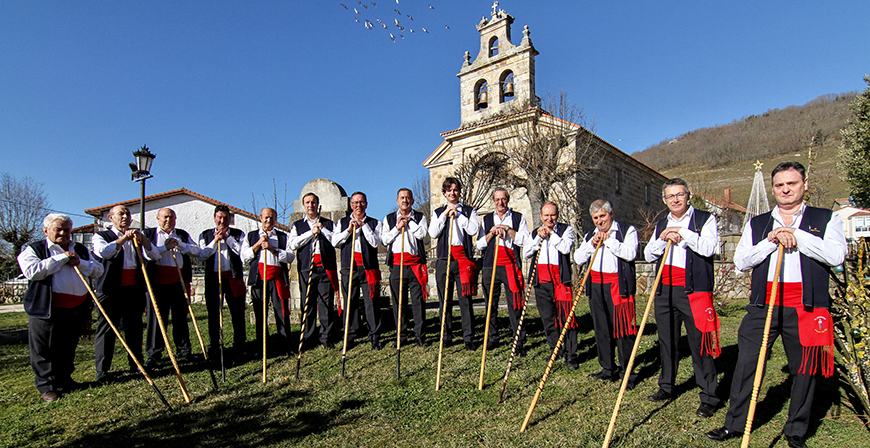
(611, 288)
(120, 290)
(686, 293)
(813, 241)
(56, 302)
(513, 233)
(267, 249)
(175, 247)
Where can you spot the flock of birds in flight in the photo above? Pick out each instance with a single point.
(399, 24)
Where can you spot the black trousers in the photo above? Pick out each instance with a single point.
(785, 323)
(322, 305)
(125, 311)
(465, 304)
(545, 299)
(236, 306)
(410, 286)
(501, 279)
(672, 310)
(601, 309)
(53, 344)
(280, 308)
(171, 301)
(371, 306)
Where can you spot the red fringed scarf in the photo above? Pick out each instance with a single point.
(549, 273)
(419, 269)
(707, 322)
(514, 276)
(373, 276)
(467, 271)
(274, 273)
(815, 327)
(333, 279)
(237, 285)
(623, 312)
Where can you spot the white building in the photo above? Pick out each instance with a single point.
(856, 220)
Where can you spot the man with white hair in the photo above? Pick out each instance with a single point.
(56, 302)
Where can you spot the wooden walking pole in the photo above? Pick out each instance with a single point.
(221, 308)
(399, 317)
(447, 296)
(265, 310)
(123, 342)
(762, 353)
(193, 318)
(489, 312)
(577, 293)
(630, 366)
(347, 300)
(304, 309)
(507, 372)
(160, 322)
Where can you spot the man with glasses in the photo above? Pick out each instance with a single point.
(686, 293)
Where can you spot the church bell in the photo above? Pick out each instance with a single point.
(509, 88)
(482, 99)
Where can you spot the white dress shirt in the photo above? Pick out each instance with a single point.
(521, 238)
(703, 244)
(108, 249)
(64, 278)
(295, 242)
(285, 255)
(606, 261)
(372, 236)
(466, 221)
(415, 230)
(183, 248)
(208, 248)
(554, 245)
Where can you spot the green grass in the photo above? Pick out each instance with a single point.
(369, 407)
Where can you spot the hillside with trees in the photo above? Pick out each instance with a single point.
(715, 158)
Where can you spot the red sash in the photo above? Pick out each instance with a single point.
(419, 269)
(673, 275)
(624, 315)
(707, 322)
(467, 271)
(128, 277)
(274, 273)
(549, 273)
(61, 300)
(333, 278)
(373, 276)
(166, 275)
(514, 276)
(815, 327)
(237, 285)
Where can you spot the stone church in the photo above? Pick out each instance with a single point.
(497, 92)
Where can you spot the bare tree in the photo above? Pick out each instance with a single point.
(23, 203)
(544, 151)
(422, 195)
(283, 208)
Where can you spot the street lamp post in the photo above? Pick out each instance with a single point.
(141, 171)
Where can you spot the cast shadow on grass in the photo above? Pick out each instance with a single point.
(238, 422)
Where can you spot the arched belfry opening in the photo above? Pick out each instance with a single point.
(493, 46)
(481, 96)
(506, 86)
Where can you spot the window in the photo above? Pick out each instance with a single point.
(618, 181)
(506, 86)
(493, 47)
(646, 195)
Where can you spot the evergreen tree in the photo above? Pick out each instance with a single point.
(855, 149)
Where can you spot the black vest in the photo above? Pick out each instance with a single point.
(254, 272)
(487, 223)
(369, 252)
(110, 282)
(37, 298)
(624, 269)
(564, 259)
(814, 274)
(699, 270)
(443, 245)
(327, 251)
(186, 269)
(236, 268)
(421, 246)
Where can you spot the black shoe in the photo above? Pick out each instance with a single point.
(572, 364)
(631, 384)
(602, 375)
(376, 343)
(705, 410)
(447, 341)
(795, 442)
(521, 352)
(722, 434)
(469, 346)
(192, 358)
(328, 345)
(152, 363)
(491, 345)
(661, 395)
(422, 342)
(50, 396)
(69, 385)
(103, 378)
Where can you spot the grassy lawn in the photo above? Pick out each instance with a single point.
(369, 407)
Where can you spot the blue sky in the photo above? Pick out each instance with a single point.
(232, 94)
